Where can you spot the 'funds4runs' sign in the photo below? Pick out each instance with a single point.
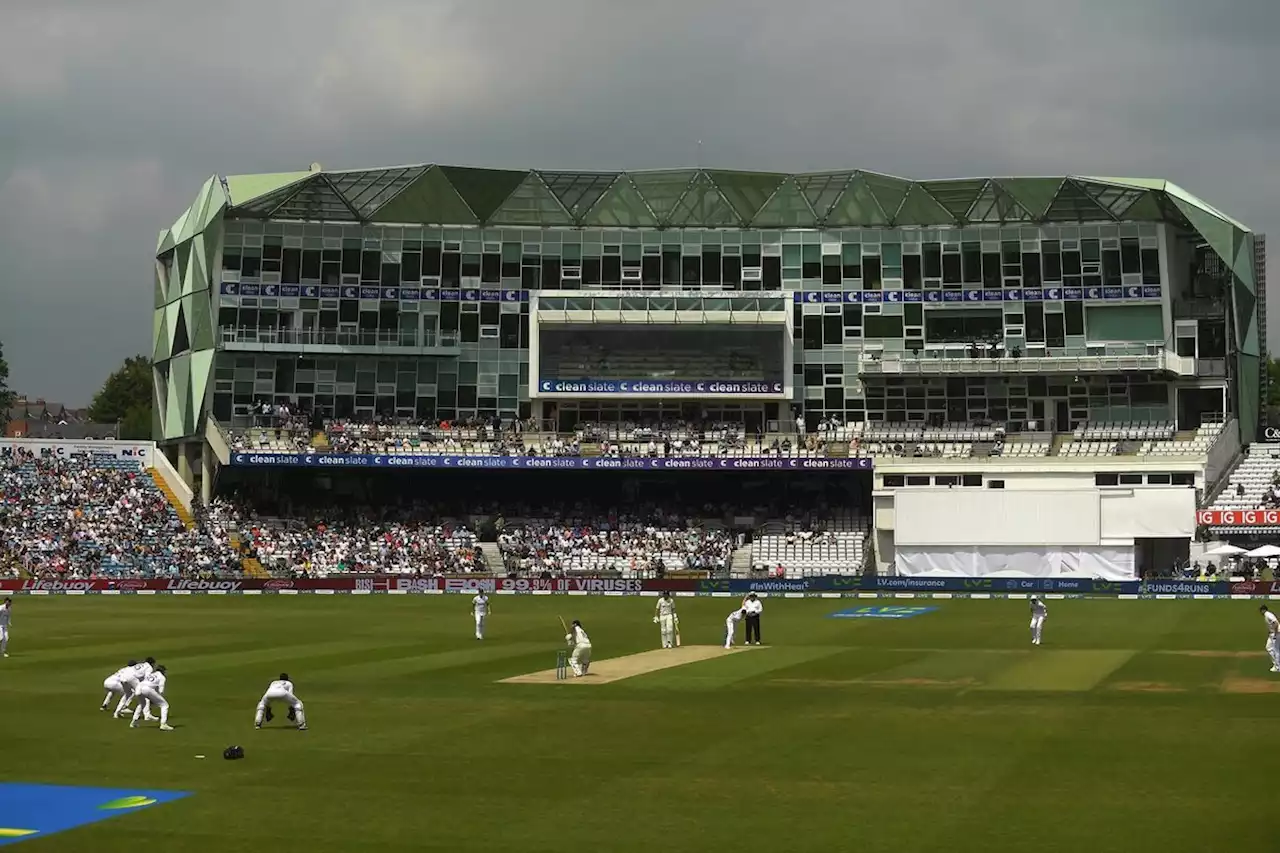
(880, 612)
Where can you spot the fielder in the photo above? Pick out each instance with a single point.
(151, 689)
(6, 613)
(140, 673)
(667, 620)
(120, 683)
(480, 609)
(1273, 637)
(1038, 613)
(280, 690)
(580, 660)
(731, 624)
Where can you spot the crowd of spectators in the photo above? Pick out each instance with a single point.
(84, 517)
(282, 430)
(321, 540)
(645, 542)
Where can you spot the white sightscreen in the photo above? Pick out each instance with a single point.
(1149, 513)
(996, 517)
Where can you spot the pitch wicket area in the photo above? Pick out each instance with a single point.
(616, 669)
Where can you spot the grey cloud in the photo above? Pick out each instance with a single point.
(133, 103)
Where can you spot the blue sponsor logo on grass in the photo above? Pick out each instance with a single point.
(873, 611)
(34, 811)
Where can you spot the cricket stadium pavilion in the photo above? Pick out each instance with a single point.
(1042, 334)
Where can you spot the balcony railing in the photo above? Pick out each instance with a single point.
(251, 338)
(1109, 359)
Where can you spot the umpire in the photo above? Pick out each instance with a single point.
(754, 607)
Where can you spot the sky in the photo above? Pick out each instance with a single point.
(112, 114)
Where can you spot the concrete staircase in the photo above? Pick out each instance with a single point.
(740, 564)
(249, 565)
(184, 514)
(492, 557)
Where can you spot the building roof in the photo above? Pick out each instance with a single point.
(706, 198)
(700, 198)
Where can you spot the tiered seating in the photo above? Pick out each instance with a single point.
(396, 542)
(1124, 431)
(806, 548)
(1075, 449)
(269, 440)
(633, 546)
(445, 440)
(1253, 483)
(1025, 448)
(1198, 445)
(95, 515)
(955, 441)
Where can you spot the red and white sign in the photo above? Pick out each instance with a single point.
(1238, 517)
(366, 583)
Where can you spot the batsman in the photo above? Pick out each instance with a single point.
(667, 620)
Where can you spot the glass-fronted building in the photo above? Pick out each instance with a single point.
(438, 292)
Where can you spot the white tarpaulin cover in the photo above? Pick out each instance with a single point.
(1113, 563)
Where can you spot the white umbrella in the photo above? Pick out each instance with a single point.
(1224, 551)
(1264, 551)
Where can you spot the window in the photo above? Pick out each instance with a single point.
(1074, 318)
(912, 272)
(933, 260)
(880, 326)
(971, 263)
(871, 273)
(1130, 257)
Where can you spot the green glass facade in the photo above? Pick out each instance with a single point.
(885, 265)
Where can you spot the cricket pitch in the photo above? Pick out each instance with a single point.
(610, 670)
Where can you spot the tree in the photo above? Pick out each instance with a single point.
(6, 396)
(125, 399)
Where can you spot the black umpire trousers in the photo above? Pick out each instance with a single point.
(753, 627)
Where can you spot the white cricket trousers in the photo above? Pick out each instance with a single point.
(667, 627)
(1273, 651)
(481, 618)
(114, 687)
(149, 697)
(1037, 628)
(580, 660)
(130, 686)
(729, 626)
(4, 639)
(284, 697)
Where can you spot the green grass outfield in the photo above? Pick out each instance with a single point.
(1139, 725)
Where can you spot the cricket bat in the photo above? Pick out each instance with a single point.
(677, 627)
(564, 626)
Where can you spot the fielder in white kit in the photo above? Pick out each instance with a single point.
(140, 673)
(1038, 613)
(580, 660)
(667, 620)
(280, 690)
(1273, 636)
(6, 613)
(120, 683)
(480, 608)
(151, 691)
(731, 624)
